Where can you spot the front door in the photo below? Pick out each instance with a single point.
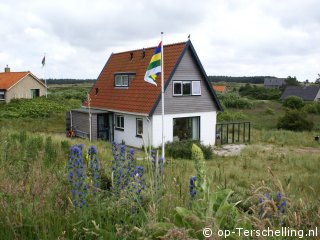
(103, 126)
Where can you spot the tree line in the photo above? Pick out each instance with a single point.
(253, 79)
(68, 81)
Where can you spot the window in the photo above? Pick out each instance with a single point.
(186, 128)
(120, 122)
(35, 93)
(123, 80)
(177, 88)
(196, 88)
(139, 127)
(186, 88)
(2, 98)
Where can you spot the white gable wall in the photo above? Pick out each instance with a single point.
(207, 127)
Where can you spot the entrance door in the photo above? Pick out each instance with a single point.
(103, 127)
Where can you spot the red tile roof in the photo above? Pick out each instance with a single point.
(219, 88)
(140, 96)
(8, 79)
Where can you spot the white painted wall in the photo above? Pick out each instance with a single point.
(208, 122)
(129, 133)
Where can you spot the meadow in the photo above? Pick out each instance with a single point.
(274, 182)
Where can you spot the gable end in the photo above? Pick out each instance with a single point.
(194, 56)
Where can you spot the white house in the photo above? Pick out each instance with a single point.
(127, 109)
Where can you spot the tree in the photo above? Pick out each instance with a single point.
(292, 81)
(318, 79)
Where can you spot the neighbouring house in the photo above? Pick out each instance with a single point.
(273, 82)
(219, 88)
(19, 85)
(307, 93)
(125, 108)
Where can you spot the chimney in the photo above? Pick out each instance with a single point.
(7, 69)
(143, 53)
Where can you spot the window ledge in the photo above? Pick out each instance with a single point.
(139, 136)
(120, 129)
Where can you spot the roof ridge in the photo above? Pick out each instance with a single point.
(140, 49)
(17, 72)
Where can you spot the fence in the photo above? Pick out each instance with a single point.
(233, 132)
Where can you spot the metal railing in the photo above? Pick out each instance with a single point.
(233, 132)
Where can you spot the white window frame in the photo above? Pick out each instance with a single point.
(137, 133)
(120, 122)
(192, 83)
(188, 82)
(124, 80)
(192, 88)
(173, 88)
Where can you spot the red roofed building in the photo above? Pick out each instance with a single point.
(125, 108)
(19, 85)
(219, 88)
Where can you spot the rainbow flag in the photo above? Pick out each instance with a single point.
(154, 67)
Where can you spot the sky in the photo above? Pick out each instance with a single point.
(232, 37)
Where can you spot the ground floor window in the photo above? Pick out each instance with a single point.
(186, 128)
(139, 127)
(35, 93)
(119, 122)
(2, 96)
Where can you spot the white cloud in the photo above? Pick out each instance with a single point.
(232, 37)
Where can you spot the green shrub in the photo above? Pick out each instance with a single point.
(227, 116)
(182, 149)
(269, 111)
(313, 108)
(259, 93)
(233, 100)
(37, 108)
(295, 120)
(293, 102)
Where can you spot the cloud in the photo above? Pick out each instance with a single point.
(232, 37)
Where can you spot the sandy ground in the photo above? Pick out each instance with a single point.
(229, 150)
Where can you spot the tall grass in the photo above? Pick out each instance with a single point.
(35, 198)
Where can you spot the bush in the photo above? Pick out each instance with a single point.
(259, 93)
(37, 108)
(293, 102)
(227, 116)
(233, 100)
(295, 120)
(312, 108)
(269, 111)
(182, 149)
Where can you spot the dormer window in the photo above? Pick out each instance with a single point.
(123, 79)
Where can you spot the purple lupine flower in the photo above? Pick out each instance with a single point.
(192, 187)
(76, 175)
(94, 168)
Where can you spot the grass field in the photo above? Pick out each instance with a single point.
(36, 200)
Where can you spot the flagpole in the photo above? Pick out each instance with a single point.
(44, 73)
(162, 96)
(90, 125)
